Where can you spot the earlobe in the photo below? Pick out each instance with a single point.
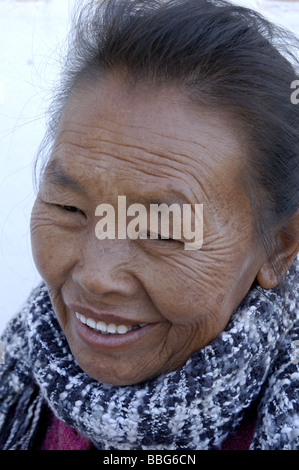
(274, 270)
(267, 276)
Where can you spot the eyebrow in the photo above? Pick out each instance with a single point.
(168, 199)
(55, 174)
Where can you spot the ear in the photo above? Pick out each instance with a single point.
(274, 270)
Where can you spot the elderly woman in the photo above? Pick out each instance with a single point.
(136, 342)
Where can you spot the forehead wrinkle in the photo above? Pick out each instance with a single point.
(196, 155)
(156, 161)
(96, 146)
(152, 163)
(193, 164)
(90, 135)
(55, 174)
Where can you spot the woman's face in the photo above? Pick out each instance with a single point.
(151, 147)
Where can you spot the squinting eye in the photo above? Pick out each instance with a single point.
(71, 209)
(147, 235)
(160, 237)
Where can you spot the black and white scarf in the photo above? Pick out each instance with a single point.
(195, 407)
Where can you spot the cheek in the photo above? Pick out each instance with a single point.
(177, 289)
(201, 290)
(52, 248)
(180, 283)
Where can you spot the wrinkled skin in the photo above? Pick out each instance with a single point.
(148, 145)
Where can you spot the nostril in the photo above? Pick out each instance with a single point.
(98, 282)
(105, 268)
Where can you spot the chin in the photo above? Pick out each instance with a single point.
(115, 379)
(110, 374)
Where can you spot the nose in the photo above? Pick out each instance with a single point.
(104, 269)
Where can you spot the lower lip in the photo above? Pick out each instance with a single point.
(101, 341)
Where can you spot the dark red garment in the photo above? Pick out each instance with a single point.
(61, 437)
(242, 437)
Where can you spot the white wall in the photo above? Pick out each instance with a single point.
(30, 32)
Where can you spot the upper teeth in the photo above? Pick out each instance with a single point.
(104, 328)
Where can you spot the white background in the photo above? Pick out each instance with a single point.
(31, 35)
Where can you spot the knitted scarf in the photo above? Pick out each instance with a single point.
(194, 407)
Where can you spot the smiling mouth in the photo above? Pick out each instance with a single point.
(107, 329)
